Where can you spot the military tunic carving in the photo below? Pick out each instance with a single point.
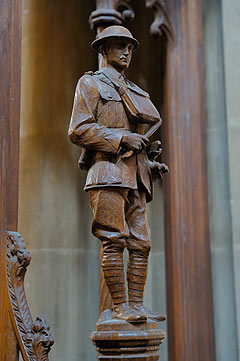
(107, 121)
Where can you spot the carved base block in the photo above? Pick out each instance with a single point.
(117, 340)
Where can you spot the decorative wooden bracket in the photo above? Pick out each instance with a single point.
(161, 23)
(34, 338)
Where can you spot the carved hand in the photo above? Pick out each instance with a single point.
(134, 141)
(158, 169)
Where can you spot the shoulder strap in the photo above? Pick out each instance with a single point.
(136, 89)
(105, 77)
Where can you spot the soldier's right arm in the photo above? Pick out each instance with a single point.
(84, 129)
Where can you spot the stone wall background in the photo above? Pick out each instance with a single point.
(219, 183)
(231, 42)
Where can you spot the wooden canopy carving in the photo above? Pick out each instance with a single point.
(116, 12)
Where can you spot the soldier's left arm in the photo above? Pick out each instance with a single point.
(84, 129)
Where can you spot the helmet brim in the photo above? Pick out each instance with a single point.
(98, 42)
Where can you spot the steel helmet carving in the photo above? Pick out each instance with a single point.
(114, 31)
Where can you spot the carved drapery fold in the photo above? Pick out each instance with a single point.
(34, 338)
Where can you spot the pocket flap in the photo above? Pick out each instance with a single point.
(108, 93)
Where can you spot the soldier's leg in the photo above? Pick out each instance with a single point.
(109, 225)
(139, 247)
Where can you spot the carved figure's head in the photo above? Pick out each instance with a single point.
(116, 44)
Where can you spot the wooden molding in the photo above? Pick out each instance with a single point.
(117, 340)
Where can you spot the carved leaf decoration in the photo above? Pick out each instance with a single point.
(39, 339)
(34, 338)
(161, 23)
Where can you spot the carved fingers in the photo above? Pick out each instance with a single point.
(134, 141)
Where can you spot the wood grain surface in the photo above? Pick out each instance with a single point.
(189, 287)
(10, 70)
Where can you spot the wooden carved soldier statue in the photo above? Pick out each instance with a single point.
(108, 121)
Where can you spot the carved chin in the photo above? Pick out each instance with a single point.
(124, 64)
(120, 65)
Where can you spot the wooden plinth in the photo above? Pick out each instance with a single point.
(117, 340)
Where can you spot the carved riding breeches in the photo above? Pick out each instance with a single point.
(120, 219)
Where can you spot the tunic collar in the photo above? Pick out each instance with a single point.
(115, 75)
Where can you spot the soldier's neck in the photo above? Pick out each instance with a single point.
(120, 71)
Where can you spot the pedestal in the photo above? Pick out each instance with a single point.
(116, 340)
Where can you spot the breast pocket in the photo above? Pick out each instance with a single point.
(109, 94)
(110, 109)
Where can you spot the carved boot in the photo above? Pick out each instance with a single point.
(114, 277)
(136, 276)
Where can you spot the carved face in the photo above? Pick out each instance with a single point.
(118, 53)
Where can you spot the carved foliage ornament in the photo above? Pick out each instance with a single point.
(39, 340)
(34, 338)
